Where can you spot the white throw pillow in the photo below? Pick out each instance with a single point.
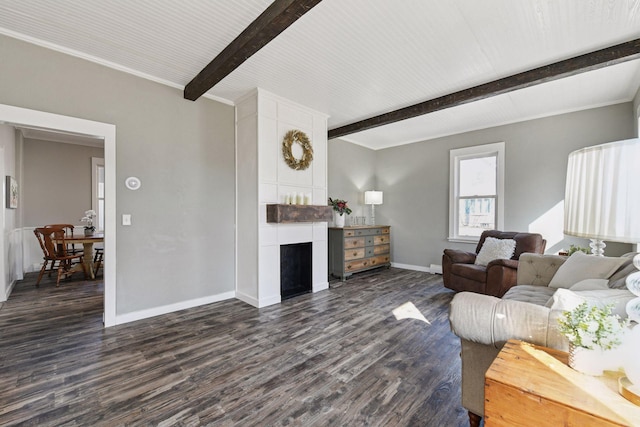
(590, 285)
(493, 248)
(565, 299)
(580, 266)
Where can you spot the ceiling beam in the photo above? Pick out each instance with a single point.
(274, 20)
(569, 67)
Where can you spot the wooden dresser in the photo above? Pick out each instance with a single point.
(358, 248)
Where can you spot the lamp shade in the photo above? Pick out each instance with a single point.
(373, 197)
(602, 196)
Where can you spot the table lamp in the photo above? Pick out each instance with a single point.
(602, 202)
(373, 198)
(602, 195)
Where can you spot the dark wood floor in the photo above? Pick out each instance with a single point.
(335, 358)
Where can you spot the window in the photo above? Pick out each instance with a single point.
(97, 191)
(476, 190)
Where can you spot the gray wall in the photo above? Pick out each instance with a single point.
(415, 180)
(181, 244)
(351, 172)
(56, 182)
(10, 244)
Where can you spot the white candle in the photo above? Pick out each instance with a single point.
(307, 200)
(287, 199)
(300, 199)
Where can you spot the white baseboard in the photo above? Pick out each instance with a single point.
(165, 309)
(410, 267)
(8, 293)
(258, 303)
(265, 302)
(433, 269)
(436, 268)
(246, 298)
(317, 287)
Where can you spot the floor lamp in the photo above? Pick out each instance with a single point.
(373, 198)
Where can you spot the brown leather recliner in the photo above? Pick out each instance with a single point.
(461, 274)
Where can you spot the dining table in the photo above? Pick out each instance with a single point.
(87, 241)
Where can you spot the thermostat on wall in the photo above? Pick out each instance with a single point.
(132, 183)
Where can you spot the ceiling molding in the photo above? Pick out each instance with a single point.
(274, 20)
(580, 64)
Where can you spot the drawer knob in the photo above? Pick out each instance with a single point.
(355, 254)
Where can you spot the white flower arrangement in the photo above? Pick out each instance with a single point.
(592, 327)
(88, 218)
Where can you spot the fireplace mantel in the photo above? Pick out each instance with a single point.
(298, 213)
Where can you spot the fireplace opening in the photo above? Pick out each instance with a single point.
(295, 270)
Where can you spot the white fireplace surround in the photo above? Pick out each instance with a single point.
(263, 177)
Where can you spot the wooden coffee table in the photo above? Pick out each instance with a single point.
(531, 385)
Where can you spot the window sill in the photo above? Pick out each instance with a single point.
(473, 240)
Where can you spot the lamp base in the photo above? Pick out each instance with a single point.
(373, 214)
(597, 247)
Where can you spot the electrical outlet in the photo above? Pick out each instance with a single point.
(126, 219)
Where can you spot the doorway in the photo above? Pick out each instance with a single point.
(17, 116)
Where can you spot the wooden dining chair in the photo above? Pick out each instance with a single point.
(54, 248)
(71, 248)
(97, 260)
(68, 231)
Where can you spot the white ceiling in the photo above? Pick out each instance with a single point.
(358, 58)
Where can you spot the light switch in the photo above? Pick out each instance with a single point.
(126, 219)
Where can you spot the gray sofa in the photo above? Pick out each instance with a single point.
(484, 323)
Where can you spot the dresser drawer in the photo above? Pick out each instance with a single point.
(368, 231)
(381, 249)
(361, 264)
(379, 240)
(355, 253)
(353, 242)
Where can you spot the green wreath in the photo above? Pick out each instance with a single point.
(299, 137)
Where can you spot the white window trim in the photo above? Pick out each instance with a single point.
(95, 163)
(455, 156)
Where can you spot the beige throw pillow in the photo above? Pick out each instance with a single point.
(581, 266)
(493, 248)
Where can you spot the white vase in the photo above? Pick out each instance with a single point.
(585, 360)
(338, 220)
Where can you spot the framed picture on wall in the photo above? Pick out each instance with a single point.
(11, 190)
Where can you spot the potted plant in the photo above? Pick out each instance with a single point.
(591, 331)
(341, 208)
(575, 248)
(88, 218)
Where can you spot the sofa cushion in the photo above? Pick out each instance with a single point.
(590, 285)
(470, 271)
(565, 299)
(618, 279)
(581, 266)
(493, 248)
(536, 269)
(538, 295)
